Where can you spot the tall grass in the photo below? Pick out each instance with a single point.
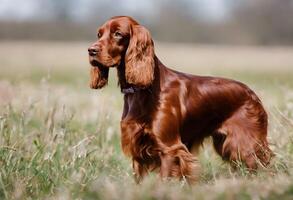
(61, 140)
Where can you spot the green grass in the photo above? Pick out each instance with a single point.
(61, 140)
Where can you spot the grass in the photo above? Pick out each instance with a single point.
(61, 140)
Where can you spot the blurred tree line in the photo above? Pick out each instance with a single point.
(260, 22)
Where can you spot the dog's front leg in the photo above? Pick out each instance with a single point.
(177, 161)
(139, 171)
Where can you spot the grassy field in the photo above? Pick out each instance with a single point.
(61, 140)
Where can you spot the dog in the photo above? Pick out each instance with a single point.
(167, 113)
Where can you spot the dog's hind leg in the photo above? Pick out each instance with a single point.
(243, 137)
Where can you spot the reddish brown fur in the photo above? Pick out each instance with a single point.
(99, 77)
(167, 113)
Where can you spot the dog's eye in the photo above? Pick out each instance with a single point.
(99, 35)
(118, 35)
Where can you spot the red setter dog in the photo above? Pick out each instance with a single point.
(167, 113)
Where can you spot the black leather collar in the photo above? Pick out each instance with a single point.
(131, 90)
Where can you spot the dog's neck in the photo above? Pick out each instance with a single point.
(127, 88)
(124, 86)
(140, 102)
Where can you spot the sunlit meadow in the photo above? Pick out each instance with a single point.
(61, 140)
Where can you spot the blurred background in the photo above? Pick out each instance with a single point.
(205, 37)
(248, 22)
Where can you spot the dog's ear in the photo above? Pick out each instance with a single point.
(98, 77)
(139, 58)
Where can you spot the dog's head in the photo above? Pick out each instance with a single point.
(122, 41)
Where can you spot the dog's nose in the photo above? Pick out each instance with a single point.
(92, 51)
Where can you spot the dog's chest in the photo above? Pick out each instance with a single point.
(137, 141)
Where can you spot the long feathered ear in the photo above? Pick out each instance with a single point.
(139, 58)
(98, 77)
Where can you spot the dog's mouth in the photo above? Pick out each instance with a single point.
(95, 63)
